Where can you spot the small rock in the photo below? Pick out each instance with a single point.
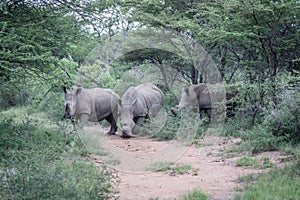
(194, 173)
(172, 174)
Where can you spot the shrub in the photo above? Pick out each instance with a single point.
(41, 163)
(261, 140)
(285, 119)
(170, 128)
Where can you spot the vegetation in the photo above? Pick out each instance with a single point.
(276, 184)
(195, 194)
(41, 163)
(254, 162)
(252, 46)
(170, 167)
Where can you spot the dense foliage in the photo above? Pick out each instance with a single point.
(44, 163)
(46, 44)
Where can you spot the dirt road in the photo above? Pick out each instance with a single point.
(213, 167)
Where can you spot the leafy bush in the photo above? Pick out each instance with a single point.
(13, 93)
(170, 100)
(240, 122)
(164, 126)
(97, 74)
(285, 119)
(170, 128)
(260, 139)
(52, 104)
(40, 163)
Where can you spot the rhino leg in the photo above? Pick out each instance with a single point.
(79, 121)
(113, 124)
(126, 136)
(74, 124)
(84, 118)
(139, 121)
(209, 111)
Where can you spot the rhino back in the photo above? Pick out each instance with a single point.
(149, 99)
(208, 93)
(101, 102)
(203, 95)
(142, 98)
(151, 94)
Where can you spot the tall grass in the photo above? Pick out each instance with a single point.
(37, 162)
(276, 184)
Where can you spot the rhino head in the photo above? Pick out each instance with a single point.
(71, 99)
(126, 118)
(188, 99)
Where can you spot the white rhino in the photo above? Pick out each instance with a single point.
(92, 105)
(137, 104)
(199, 97)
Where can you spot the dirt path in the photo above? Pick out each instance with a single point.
(213, 171)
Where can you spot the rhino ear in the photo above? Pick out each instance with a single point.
(185, 90)
(78, 90)
(64, 89)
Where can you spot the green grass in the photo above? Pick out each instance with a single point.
(38, 162)
(168, 166)
(276, 184)
(154, 198)
(261, 163)
(196, 194)
(255, 139)
(249, 178)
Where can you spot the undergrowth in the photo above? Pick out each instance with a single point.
(37, 162)
(275, 184)
(169, 166)
(195, 194)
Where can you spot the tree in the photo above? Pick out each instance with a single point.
(45, 40)
(170, 15)
(249, 40)
(260, 36)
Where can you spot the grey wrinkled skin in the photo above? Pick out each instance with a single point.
(137, 104)
(197, 97)
(93, 105)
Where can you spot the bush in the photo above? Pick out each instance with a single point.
(13, 94)
(40, 163)
(285, 119)
(170, 128)
(172, 124)
(261, 140)
(240, 122)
